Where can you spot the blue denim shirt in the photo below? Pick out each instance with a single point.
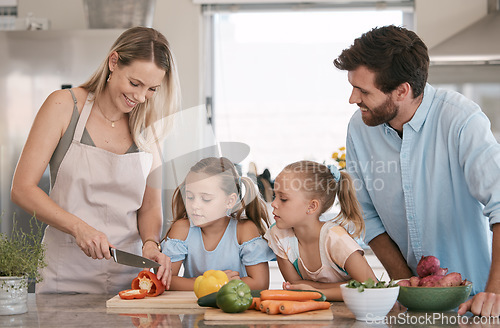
(434, 189)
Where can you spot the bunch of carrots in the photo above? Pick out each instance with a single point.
(288, 302)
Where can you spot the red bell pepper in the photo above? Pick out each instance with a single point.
(149, 320)
(129, 294)
(147, 280)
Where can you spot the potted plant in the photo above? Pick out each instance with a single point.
(22, 254)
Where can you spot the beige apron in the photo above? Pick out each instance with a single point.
(105, 190)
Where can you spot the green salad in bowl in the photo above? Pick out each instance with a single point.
(369, 300)
(370, 283)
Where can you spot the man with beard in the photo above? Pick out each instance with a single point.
(425, 164)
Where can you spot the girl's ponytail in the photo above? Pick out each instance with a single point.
(253, 205)
(178, 207)
(350, 209)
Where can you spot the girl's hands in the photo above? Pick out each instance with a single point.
(288, 285)
(231, 275)
(164, 273)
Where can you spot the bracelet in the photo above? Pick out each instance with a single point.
(154, 241)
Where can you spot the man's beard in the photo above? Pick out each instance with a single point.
(381, 114)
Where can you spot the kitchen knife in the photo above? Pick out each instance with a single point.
(132, 259)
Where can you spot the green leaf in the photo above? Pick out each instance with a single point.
(353, 284)
(369, 283)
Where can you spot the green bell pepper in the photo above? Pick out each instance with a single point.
(233, 297)
(210, 300)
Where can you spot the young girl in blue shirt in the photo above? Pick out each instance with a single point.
(219, 222)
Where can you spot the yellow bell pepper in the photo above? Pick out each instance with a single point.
(210, 282)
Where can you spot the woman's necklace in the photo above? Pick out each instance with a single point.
(112, 122)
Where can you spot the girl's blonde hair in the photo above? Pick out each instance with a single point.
(150, 120)
(318, 182)
(249, 199)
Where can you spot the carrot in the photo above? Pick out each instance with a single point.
(273, 307)
(257, 303)
(254, 302)
(288, 295)
(293, 307)
(270, 306)
(261, 306)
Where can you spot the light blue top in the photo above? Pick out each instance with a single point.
(433, 190)
(228, 255)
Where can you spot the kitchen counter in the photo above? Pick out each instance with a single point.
(89, 310)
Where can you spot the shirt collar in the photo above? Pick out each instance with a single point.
(421, 114)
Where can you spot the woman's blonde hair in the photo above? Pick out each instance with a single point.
(249, 202)
(148, 121)
(317, 181)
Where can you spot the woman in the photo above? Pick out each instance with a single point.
(100, 141)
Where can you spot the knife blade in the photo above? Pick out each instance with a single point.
(130, 259)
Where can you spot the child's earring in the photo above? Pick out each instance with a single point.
(308, 211)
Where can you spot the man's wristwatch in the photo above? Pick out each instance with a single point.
(154, 241)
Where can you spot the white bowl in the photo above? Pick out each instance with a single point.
(371, 304)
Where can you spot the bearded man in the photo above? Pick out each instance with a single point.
(425, 164)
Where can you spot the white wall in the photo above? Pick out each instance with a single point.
(437, 20)
(63, 14)
(180, 22)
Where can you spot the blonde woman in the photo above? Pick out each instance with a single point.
(100, 142)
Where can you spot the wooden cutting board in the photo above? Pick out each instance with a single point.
(218, 315)
(169, 299)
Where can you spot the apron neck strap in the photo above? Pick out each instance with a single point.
(84, 116)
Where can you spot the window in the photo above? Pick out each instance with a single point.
(8, 14)
(275, 87)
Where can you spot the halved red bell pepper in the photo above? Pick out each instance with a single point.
(149, 320)
(130, 294)
(147, 280)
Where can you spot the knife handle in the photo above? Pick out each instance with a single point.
(113, 253)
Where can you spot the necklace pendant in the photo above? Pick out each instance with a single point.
(112, 124)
